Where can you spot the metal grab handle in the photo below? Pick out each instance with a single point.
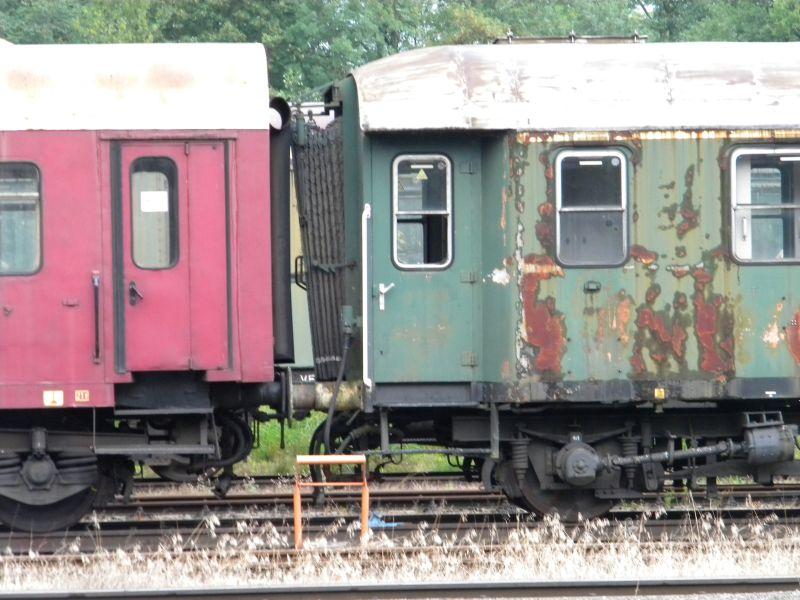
(96, 297)
(383, 289)
(366, 216)
(134, 295)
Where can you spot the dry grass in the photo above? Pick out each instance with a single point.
(602, 550)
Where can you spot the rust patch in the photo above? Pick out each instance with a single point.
(662, 332)
(690, 217)
(622, 317)
(600, 330)
(679, 271)
(518, 162)
(504, 200)
(713, 323)
(643, 255)
(772, 335)
(545, 228)
(793, 337)
(545, 329)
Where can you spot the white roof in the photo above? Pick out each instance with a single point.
(584, 87)
(133, 86)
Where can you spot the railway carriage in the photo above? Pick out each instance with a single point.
(135, 267)
(575, 265)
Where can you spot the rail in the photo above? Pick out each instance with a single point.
(462, 589)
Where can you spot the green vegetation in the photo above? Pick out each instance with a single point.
(311, 42)
(269, 459)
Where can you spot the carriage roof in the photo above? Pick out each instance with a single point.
(584, 87)
(133, 86)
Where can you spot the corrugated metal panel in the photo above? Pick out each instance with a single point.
(320, 201)
(546, 87)
(133, 86)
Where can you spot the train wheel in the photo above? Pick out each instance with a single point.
(42, 494)
(47, 517)
(570, 505)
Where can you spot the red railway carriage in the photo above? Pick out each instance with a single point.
(136, 313)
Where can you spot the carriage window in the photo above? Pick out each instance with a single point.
(422, 220)
(20, 219)
(591, 197)
(154, 214)
(765, 199)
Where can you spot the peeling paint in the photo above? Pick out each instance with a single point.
(643, 255)
(518, 161)
(713, 325)
(689, 215)
(622, 317)
(679, 271)
(772, 335)
(662, 332)
(500, 277)
(545, 329)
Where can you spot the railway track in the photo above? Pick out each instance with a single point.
(198, 520)
(467, 590)
(190, 533)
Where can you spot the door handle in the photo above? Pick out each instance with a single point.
(96, 298)
(134, 295)
(383, 289)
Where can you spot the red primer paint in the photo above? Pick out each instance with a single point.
(643, 255)
(544, 327)
(707, 313)
(545, 228)
(689, 215)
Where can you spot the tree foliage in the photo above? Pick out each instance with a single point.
(311, 42)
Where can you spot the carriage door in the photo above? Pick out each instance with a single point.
(425, 256)
(171, 291)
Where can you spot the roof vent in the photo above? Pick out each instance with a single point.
(573, 38)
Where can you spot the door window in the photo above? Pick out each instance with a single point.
(154, 223)
(20, 219)
(765, 200)
(591, 197)
(422, 219)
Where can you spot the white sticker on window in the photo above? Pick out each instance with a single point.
(154, 201)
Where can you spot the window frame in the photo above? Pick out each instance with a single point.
(589, 153)
(174, 206)
(734, 204)
(40, 264)
(448, 212)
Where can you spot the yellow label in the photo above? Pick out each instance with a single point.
(53, 397)
(82, 396)
(421, 176)
(660, 393)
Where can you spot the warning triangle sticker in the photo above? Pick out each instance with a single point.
(421, 175)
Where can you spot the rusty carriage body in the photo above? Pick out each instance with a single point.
(575, 265)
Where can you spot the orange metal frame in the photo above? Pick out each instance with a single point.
(329, 459)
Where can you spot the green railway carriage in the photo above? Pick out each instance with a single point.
(575, 265)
